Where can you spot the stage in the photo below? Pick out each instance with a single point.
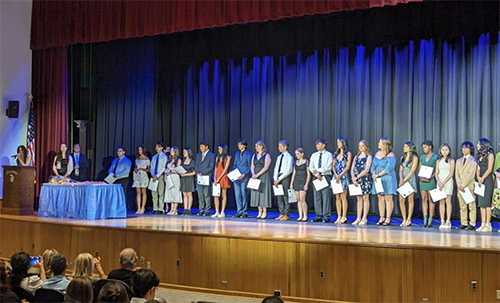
(308, 262)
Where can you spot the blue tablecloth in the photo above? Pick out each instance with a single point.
(90, 202)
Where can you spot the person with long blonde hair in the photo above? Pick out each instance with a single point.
(383, 168)
(173, 194)
(47, 261)
(360, 175)
(84, 266)
(79, 291)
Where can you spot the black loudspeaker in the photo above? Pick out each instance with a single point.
(13, 110)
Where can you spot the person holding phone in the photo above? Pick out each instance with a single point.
(20, 263)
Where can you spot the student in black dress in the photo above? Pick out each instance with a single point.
(485, 161)
(187, 180)
(63, 162)
(301, 177)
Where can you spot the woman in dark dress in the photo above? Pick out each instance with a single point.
(301, 177)
(261, 198)
(63, 162)
(486, 159)
(187, 180)
(360, 175)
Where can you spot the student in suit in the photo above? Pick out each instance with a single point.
(320, 165)
(242, 162)
(282, 175)
(465, 169)
(204, 166)
(486, 159)
(81, 165)
(157, 167)
(120, 168)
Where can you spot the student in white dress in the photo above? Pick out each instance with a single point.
(141, 179)
(445, 169)
(173, 194)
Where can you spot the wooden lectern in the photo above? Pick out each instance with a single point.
(18, 190)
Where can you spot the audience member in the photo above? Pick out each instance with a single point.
(113, 292)
(273, 299)
(85, 264)
(144, 285)
(47, 261)
(6, 295)
(79, 291)
(128, 260)
(58, 281)
(19, 276)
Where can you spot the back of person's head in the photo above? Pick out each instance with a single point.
(143, 280)
(79, 291)
(58, 265)
(273, 299)
(20, 263)
(84, 265)
(4, 286)
(128, 258)
(113, 292)
(47, 261)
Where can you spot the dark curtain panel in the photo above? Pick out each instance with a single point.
(50, 92)
(61, 23)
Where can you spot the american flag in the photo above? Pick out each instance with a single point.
(31, 133)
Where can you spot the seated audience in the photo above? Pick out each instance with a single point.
(6, 295)
(19, 276)
(273, 299)
(113, 292)
(85, 264)
(79, 291)
(144, 285)
(128, 260)
(58, 281)
(47, 261)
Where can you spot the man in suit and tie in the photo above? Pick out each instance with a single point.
(79, 172)
(242, 162)
(465, 170)
(120, 168)
(157, 168)
(320, 166)
(282, 175)
(204, 166)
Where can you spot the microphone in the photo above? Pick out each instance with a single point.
(13, 156)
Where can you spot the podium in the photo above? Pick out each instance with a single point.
(18, 190)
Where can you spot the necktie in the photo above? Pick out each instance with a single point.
(77, 159)
(116, 166)
(157, 163)
(203, 157)
(465, 159)
(319, 161)
(279, 165)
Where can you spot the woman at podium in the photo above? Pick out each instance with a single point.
(63, 162)
(22, 157)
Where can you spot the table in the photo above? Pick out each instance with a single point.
(90, 201)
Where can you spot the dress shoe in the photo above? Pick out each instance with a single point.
(200, 213)
(206, 214)
(317, 220)
(326, 220)
(238, 215)
(470, 227)
(285, 218)
(462, 227)
(279, 218)
(244, 216)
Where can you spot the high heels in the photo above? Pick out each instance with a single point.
(356, 222)
(387, 222)
(381, 221)
(263, 216)
(299, 219)
(258, 216)
(304, 219)
(403, 223)
(363, 222)
(343, 220)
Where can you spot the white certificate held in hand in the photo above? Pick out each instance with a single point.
(292, 198)
(437, 195)
(467, 195)
(153, 185)
(319, 185)
(234, 175)
(180, 170)
(479, 190)
(278, 191)
(254, 184)
(216, 190)
(405, 190)
(425, 172)
(379, 188)
(110, 179)
(203, 180)
(355, 190)
(337, 188)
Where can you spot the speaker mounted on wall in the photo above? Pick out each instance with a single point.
(13, 109)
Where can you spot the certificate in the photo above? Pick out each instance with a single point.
(319, 185)
(234, 175)
(467, 195)
(479, 190)
(254, 184)
(355, 190)
(216, 190)
(406, 190)
(292, 198)
(337, 188)
(110, 179)
(169, 183)
(379, 188)
(180, 170)
(203, 180)
(278, 191)
(153, 185)
(425, 171)
(437, 195)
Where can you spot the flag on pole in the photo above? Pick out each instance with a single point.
(31, 133)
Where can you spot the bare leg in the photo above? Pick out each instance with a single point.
(402, 206)
(216, 205)
(411, 205)
(381, 209)
(425, 206)
(299, 205)
(264, 212)
(432, 206)
(343, 197)
(144, 199)
(224, 200)
(448, 209)
(260, 212)
(389, 206)
(359, 208)
(338, 204)
(366, 207)
(442, 209)
(138, 199)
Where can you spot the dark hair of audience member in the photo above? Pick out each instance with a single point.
(79, 291)
(273, 299)
(143, 280)
(113, 292)
(20, 263)
(3, 278)
(58, 265)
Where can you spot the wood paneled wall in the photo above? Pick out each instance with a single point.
(351, 272)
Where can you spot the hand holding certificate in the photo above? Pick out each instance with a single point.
(254, 184)
(425, 172)
(234, 175)
(337, 188)
(437, 195)
(355, 190)
(479, 190)
(467, 195)
(405, 190)
(110, 179)
(320, 184)
(379, 187)
(180, 170)
(216, 190)
(292, 198)
(153, 185)
(278, 191)
(203, 180)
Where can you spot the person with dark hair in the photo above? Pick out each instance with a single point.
(342, 164)
(6, 294)
(445, 169)
(128, 261)
(204, 165)
(63, 162)
(141, 179)
(465, 169)
(158, 164)
(120, 169)
(283, 170)
(273, 299)
(320, 165)
(361, 176)
(79, 291)
(20, 263)
(409, 164)
(242, 162)
(429, 159)
(144, 285)
(223, 161)
(22, 156)
(81, 164)
(113, 292)
(187, 180)
(58, 281)
(173, 194)
(486, 160)
(301, 177)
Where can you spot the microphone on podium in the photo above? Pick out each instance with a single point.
(13, 156)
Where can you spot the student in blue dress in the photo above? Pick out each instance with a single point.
(361, 176)
(343, 159)
(409, 164)
(383, 168)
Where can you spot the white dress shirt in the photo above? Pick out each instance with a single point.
(326, 163)
(286, 166)
(162, 163)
